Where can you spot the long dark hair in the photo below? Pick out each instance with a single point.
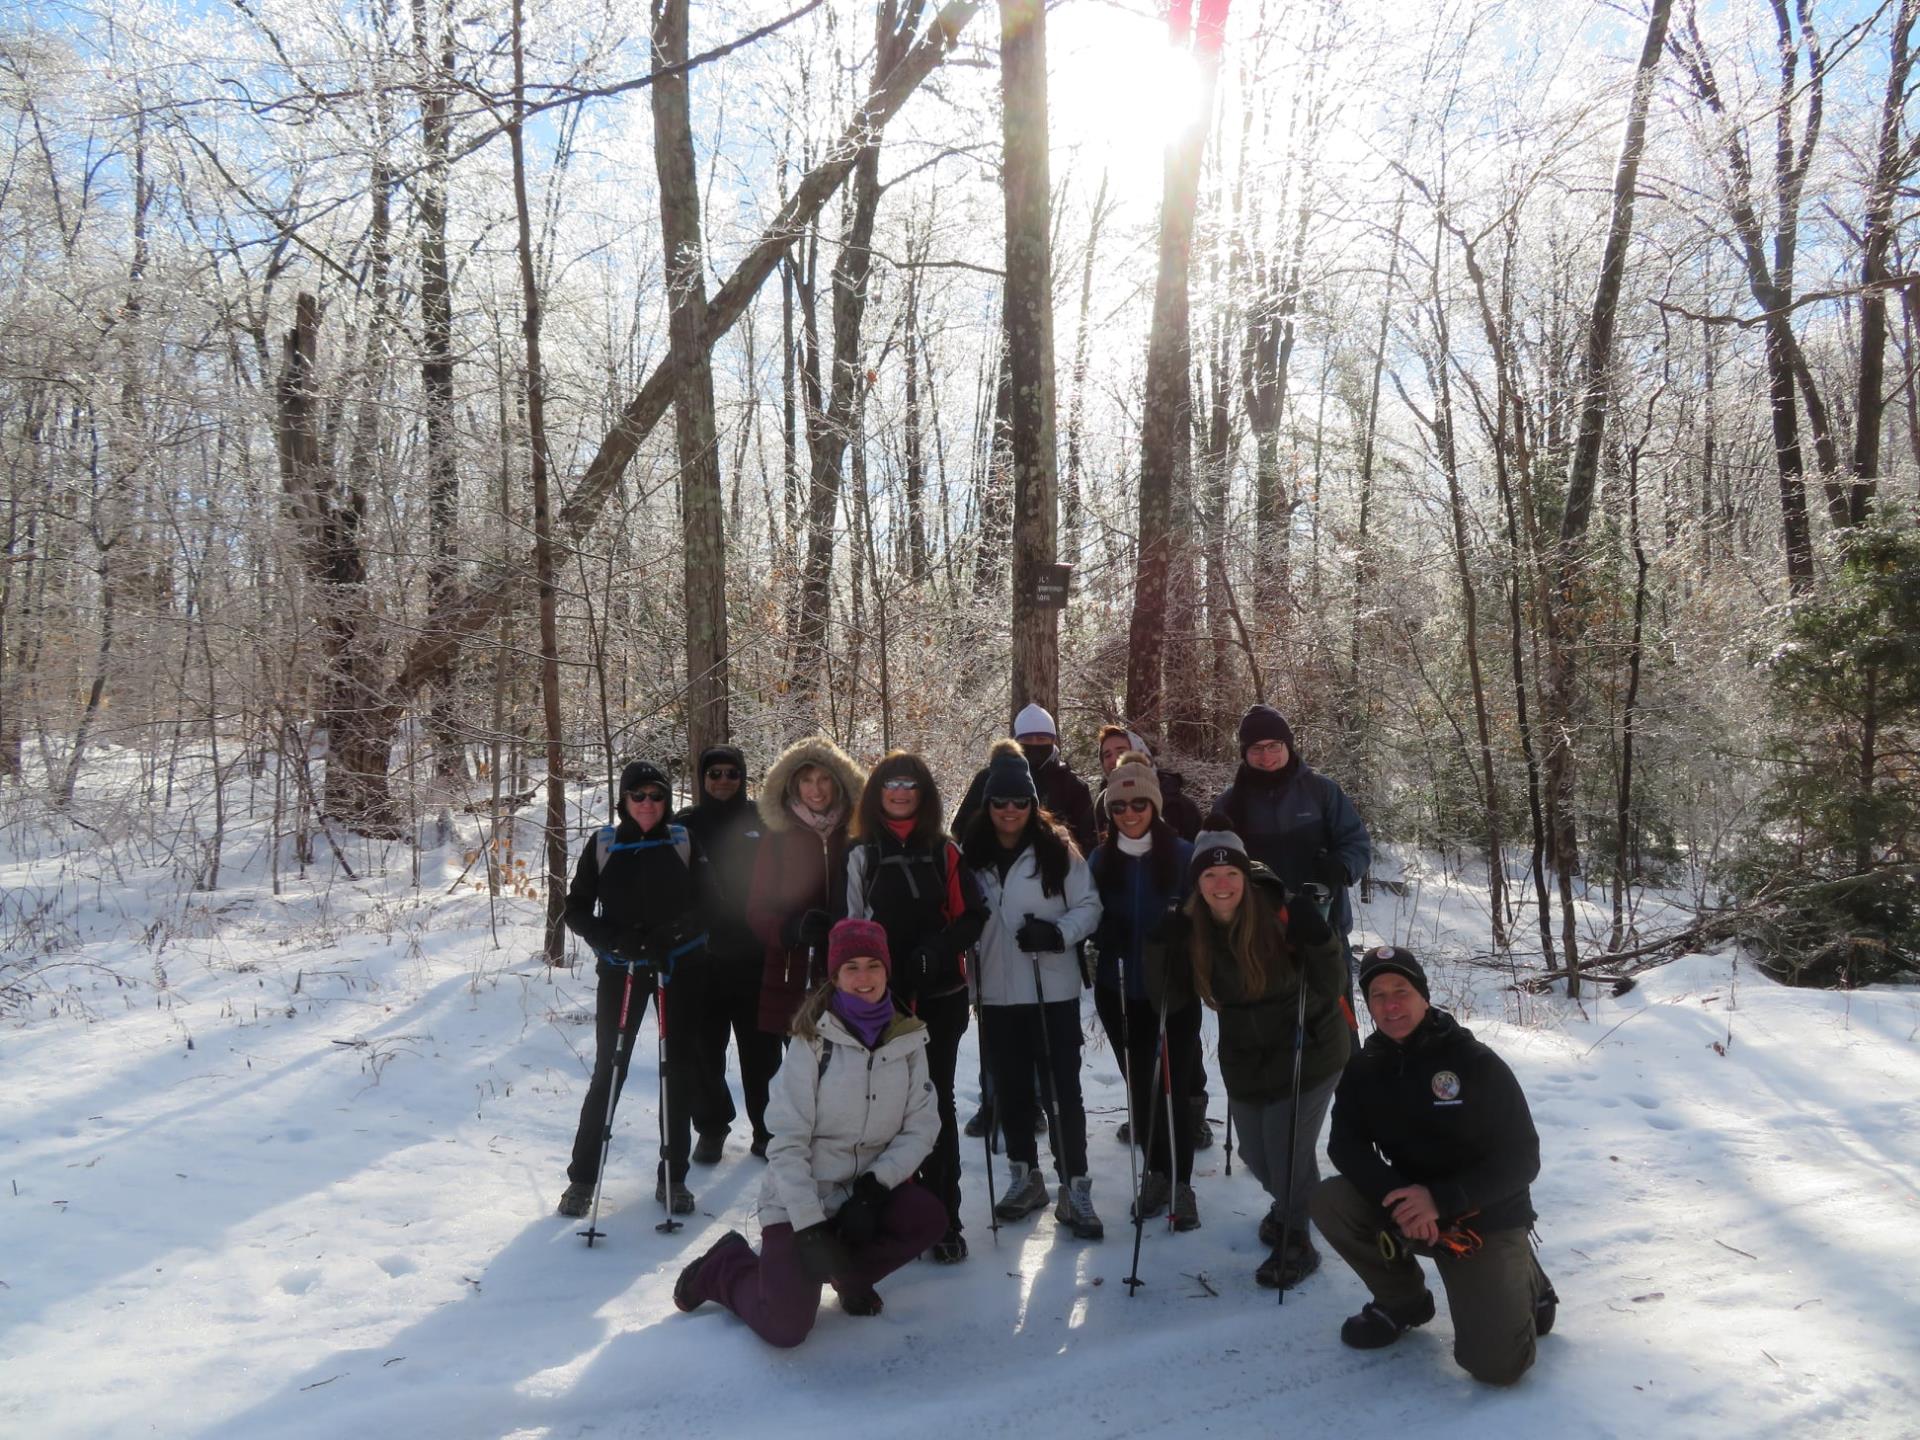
(870, 820)
(1163, 864)
(1249, 940)
(1051, 847)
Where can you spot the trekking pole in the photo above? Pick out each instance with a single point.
(1133, 1127)
(1293, 1125)
(668, 1225)
(1173, 1135)
(1047, 1096)
(593, 1231)
(1229, 1137)
(1134, 1282)
(986, 1139)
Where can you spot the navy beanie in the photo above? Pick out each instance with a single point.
(1009, 776)
(1263, 722)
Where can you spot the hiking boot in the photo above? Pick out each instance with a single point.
(980, 1122)
(867, 1302)
(1202, 1127)
(1186, 1209)
(759, 1147)
(687, 1295)
(1545, 1309)
(1270, 1225)
(1155, 1190)
(1075, 1210)
(949, 1249)
(1284, 1269)
(1124, 1135)
(682, 1202)
(711, 1145)
(1026, 1193)
(1376, 1327)
(576, 1200)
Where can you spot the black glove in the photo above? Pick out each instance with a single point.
(1330, 873)
(631, 945)
(858, 1221)
(1305, 924)
(821, 1254)
(1170, 923)
(808, 928)
(1041, 936)
(921, 968)
(668, 936)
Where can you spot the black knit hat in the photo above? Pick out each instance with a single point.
(1392, 960)
(1263, 722)
(1009, 776)
(723, 755)
(1217, 847)
(643, 772)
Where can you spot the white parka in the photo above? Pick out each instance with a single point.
(1003, 972)
(837, 1110)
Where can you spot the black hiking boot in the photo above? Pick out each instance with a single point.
(686, 1290)
(576, 1200)
(1284, 1269)
(1270, 1224)
(862, 1303)
(682, 1203)
(708, 1149)
(759, 1147)
(949, 1249)
(1377, 1327)
(980, 1122)
(1545, 1309)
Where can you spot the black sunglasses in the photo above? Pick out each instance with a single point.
(648, 796)
(723, 772)
(1130, 807)
(1000, 804)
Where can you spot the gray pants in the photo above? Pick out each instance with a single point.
(1490, 1294)
(1263, 1126)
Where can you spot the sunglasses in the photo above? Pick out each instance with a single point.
(1011, 804)
(723, 772)
(900, 783)
(647, 797)
(1130, 807)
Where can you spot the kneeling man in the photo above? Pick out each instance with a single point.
(1435, 1149)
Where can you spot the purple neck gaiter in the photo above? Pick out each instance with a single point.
(867, 1019)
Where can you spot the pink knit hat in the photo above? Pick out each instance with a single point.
(851, 939)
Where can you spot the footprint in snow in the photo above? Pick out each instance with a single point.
(397, 1265)
(1607, 1102)
(1664, 1122)
(1645, 1102)
(298, 1282)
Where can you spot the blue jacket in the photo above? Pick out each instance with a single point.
(1132, 906)
(1293, 821)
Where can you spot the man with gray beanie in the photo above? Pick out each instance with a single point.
(1064, 794)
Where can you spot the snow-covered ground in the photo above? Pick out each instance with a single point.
(287, 1166)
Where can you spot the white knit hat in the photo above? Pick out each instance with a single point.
(1034, 720)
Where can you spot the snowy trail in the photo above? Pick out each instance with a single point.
(277, 1233)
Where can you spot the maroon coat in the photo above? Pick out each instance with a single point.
(797, 870)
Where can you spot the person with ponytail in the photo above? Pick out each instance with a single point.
(853, 1115)
(1264, 960)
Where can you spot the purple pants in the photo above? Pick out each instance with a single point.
(773, 1294)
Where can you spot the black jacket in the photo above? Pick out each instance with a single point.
(1061, 791)
(726, 842)
(643, 890)
(1443, 1111)
(910, 890)
(1298, 823)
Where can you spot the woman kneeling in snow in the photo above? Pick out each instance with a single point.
(853, 1114)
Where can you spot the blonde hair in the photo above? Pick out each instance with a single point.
(806, 1020)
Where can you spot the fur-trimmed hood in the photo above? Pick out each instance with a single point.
(814, 750)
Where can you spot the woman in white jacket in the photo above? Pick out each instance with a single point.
(853, 1115)
(1041, 903)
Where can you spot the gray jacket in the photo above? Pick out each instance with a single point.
(1003, 972)
(839, 1109)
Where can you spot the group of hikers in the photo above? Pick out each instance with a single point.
(843, 939)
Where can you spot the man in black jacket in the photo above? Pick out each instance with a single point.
(725, 830)
(1436, 1150)
(1062, 792)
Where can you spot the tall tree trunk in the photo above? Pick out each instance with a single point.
(1165, 431)
(1565, 625)
(543, 547)
(702, 503)
(1071, 502)
(1029, 330)
(917, 565)
(433, 60)
(1893, 161)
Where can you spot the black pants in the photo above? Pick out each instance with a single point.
(1141, 1051)
(945, 1017)
(585, 1166)
(727, 1001)
(1012, 1037)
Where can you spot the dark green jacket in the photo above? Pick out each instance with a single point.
(1257, 1030)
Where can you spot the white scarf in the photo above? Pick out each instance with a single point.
(1134, 847)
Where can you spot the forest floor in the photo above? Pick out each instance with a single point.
(286, 1165)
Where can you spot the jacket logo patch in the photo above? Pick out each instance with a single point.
(1446, 1085)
